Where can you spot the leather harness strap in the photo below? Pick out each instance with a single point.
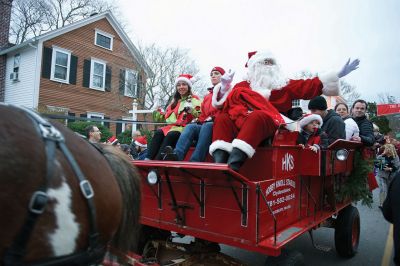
(53, 139)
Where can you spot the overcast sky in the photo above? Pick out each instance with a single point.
(314, 35)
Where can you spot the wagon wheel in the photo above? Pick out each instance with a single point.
(287, 258)
(347, 232)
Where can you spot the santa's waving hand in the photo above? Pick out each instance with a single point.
(258, 102)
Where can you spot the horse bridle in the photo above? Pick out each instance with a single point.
(54, 139)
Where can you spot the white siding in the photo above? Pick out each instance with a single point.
(22, 92)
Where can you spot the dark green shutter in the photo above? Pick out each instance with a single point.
(139, 86)
(46, 62)
(107, 124)
(108, 78)
(118, 128)
(71, 120)
(121, 81)
(86, 73)
(72, 69)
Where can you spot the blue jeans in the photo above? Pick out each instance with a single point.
(201, 133)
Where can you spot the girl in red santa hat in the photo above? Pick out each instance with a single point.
(310, 136)
(184, 107)
(252, 109)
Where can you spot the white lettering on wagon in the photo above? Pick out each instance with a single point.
(287, 162)
(280, 195)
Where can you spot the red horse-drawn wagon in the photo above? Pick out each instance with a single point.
(279, 194)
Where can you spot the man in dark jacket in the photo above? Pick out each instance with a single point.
(333, 124)
(359, 110)
(391, 212)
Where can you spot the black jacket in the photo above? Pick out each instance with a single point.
(334, 126)
(391, 212)
(366, 130)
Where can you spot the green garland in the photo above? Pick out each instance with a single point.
(356, 186)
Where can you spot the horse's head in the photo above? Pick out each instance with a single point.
(63, 217)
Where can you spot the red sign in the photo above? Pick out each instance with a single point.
(387, 109)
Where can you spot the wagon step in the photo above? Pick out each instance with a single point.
(317, 246)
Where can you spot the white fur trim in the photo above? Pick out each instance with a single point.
(259, 56)
(244, 147)
(331, 84)
(221, 145)
(188, 81)
(218, 104)
(264, 92)
(290, 124)
(137, 143)
(309, 118)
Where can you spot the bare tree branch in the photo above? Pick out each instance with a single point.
(167, 64)
(33, 17)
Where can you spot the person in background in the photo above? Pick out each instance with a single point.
(93, 134)
(141, 148)
(391, 212)
(112, 141)
(135, 134)
(350, 125)
(387, 165)
(334, 125)
(310, 136)
(200, 129)
(184, 107)
(358, 111)
(126, 149)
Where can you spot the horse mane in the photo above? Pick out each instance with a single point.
(129, 183)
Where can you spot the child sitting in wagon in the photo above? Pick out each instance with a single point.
(310, 136)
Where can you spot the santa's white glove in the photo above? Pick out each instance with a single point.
(226, 81)
(348, 67)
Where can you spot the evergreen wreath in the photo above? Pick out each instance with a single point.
(356, 185)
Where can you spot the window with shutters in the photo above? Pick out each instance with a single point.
(131, 83)
(96, 115)
(97, 74)
(104, 39)
(60, 65)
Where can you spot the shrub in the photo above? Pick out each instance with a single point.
(79, 127)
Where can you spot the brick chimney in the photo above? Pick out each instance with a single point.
(5, 16)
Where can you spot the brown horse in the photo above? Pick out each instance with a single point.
(62, 200)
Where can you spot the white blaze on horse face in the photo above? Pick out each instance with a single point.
(63, 239)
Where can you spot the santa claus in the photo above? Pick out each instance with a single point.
(252, 108)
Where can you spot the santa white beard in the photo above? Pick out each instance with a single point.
(264, 78)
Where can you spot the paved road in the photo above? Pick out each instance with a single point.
(373, 238)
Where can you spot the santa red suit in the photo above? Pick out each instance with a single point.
(251, 115)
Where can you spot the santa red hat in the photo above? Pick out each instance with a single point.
(186, 78)
(255, 57)
(141, 142)
(219, 69)
(113, 140)
(309, 118)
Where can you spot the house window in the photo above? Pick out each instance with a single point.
(17, 60)
(130, 83)
(104, 40)
(96, 115)
(97, 74)
(296, 103)
(60, 65)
